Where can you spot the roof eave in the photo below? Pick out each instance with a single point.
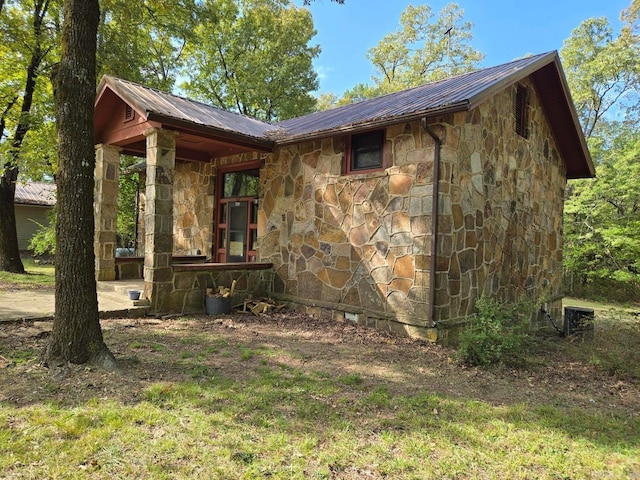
(563, 119)
(241, 139)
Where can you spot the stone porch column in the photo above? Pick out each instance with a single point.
(105, 207)
(158, 272)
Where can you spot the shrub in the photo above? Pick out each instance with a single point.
(498, 333)
(43, 241)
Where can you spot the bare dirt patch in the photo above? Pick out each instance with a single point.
(234, 346)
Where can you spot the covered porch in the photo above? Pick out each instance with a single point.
(198, 214)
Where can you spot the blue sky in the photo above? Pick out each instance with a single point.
(502, 29)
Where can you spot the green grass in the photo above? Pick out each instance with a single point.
(274, 418)
(300, 429)
(37, 276)
(284, 422)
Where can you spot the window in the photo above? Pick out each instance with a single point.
(520, 111)
(365, 152)
(236, 218)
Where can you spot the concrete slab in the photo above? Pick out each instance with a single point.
(113, 301)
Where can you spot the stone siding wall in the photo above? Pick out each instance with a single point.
(361, 244)
(352, 243)
(188, 288)
(193, 203)
(501, 208)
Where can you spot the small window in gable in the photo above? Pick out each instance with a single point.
(521, 111)
(129, 113)
(365, 152)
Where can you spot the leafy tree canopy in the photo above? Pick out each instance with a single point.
(425, 48)
(603, 71)
(602, 215)
(253, 57)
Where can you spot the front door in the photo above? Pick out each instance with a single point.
(237, 219)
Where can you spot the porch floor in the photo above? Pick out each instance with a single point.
(113, 301)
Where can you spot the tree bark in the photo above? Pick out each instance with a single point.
(9, 250)
(76, 336)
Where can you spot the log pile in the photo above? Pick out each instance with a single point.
(221, 291)
(261, 306)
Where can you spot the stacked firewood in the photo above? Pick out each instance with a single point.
(222, 291)
(261, 306)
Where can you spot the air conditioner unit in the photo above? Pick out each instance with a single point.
(578, 320)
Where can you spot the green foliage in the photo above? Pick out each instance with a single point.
(253, 57)
(128, 189)
(44, 240)
(496, 334)
(29, 39)
(602, 216)
(603, 71)
(602, 224)
(145, 41)
(423, 49)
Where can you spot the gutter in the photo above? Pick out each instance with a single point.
(434, 220)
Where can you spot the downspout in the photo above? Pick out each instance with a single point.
(434, 220)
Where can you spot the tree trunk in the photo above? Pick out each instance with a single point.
(76, 335)
(9, 251)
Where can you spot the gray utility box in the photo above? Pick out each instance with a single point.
(578, 320)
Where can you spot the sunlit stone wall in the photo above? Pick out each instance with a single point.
(501, 215)
(361, 243)
(352, 243)
(193, 199)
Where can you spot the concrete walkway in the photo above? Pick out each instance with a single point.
(113, 301)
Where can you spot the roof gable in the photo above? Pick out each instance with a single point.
(455, 94)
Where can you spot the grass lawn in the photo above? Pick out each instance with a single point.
(288, 396)
(38, 276)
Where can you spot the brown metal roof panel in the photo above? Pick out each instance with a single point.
(460, 92)
(148, 101)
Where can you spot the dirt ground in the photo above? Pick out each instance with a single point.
(149, 351)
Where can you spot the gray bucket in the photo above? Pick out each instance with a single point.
(217, 305)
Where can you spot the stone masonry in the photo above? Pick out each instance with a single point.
(361, 243)
(501, 209)
(107, 173)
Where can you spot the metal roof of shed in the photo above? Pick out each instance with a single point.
(36, 193)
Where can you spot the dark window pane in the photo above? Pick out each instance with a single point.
(241, 184)
(366, 150)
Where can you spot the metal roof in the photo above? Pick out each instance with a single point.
(458, 93)
(153, 104)
(36, 193)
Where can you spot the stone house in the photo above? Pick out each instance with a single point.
(396, 212)
(34, 202)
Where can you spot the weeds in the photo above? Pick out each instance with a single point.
(498, 333)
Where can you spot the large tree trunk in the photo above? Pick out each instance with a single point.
(76, 335)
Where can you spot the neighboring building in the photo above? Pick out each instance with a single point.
(397, 212)
(33, 204)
